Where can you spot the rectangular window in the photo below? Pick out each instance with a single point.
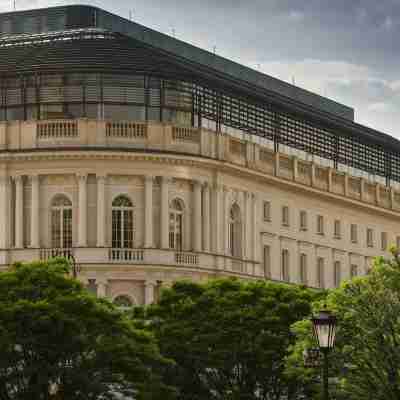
(384, 241)
(320, 272)
(353, 233)
(337, 231)
(267, 211)
(285, 265)
(303, 268)
(320, 225)
(267, 261)
(337, 273)
(285, 216)
(370, 237)
(303, 220)
(353, 271)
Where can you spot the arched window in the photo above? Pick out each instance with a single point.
(176, 224)
(235, 232)
(123, 302)
(61, 222)
(122, 223)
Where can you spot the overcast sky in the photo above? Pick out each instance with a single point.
(347, 50)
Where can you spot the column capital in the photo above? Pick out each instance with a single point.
(148, 178)
(248, 195)
(218, 186)
(4, 179)
(34, 177)
(82, 176)
(17, 178)
(150, 282)
(100, 281)
(101, 177)
(197, 183)
(165, 179)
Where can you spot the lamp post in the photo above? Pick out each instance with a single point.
(324, 329)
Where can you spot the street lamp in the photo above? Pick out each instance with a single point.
(324, 329)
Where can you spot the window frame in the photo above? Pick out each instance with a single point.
(122, 223)
(285, 216)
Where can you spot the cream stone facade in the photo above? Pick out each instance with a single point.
(150, 160)
(208, 174)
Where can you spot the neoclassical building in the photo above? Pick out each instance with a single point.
(150, 160)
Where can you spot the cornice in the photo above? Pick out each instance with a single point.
(183, 159)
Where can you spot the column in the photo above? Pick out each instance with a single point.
(346, 184)
(101, 210)
(35, 242)
(206, 217)
(225, 219)
(164, 212)
(82, 212)
(313, 177)
(4, 212)
(256, 230)
(248, 223)
(149, 292)
(216, 219)
(377, 193)
(330, 180)
(197, 225)
(148, 212)
(362, 189)
(295, 168)
(19, 210)
(101, 287)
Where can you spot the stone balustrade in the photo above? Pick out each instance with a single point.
(90, 256)
(165, 137)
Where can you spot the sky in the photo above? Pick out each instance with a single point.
(346, 50)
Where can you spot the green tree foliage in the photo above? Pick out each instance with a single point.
(366, 361)
(229, 338)
(57, 341)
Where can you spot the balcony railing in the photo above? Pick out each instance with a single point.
(57, 129)
(186, 258)
(46, 254)
(126, 255)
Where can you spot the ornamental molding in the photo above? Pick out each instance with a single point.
(218, 166)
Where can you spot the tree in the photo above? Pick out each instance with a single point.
(57, 341)
(366, 361)
(229, 338)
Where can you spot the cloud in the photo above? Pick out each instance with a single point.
(296, 16)
(381, 107)
(316, 75)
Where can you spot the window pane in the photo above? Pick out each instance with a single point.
(56, 228)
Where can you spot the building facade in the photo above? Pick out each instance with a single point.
(150, 161)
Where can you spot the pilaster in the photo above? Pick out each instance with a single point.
(206, 217)
(165, 181)
(35, 234)
(197, 223)
(101, 210)
(148, 212)
(82, 210)
(19, 212)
